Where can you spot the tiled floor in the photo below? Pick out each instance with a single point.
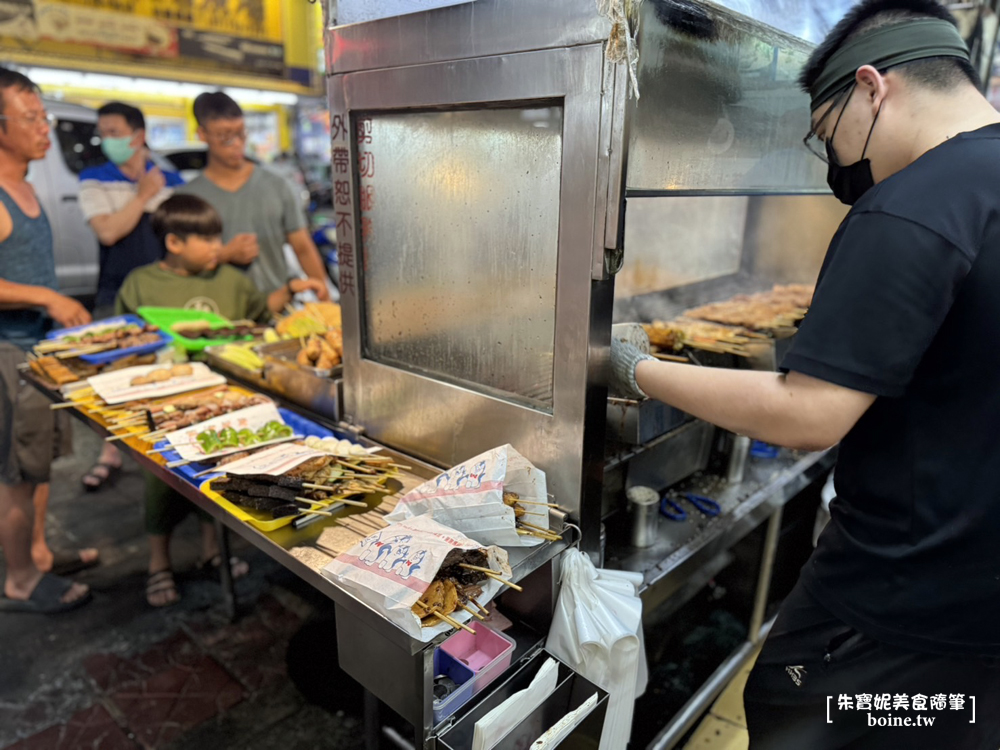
(725, 726)
(120, 675)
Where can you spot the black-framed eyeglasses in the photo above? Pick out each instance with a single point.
(812, 141)
(228, 139)
(32, 120)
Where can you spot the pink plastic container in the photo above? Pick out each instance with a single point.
(487, 653)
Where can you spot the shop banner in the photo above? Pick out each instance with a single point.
(248, 54)
(244, 36)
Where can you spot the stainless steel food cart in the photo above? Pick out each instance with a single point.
(504, 190)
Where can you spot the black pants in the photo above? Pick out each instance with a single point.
(797, 695)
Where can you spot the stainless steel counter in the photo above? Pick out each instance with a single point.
(277, 544)
(682, 547)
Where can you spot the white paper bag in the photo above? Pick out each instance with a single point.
(469, 497)
(391, 569)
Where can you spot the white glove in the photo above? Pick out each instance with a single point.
(625, 355)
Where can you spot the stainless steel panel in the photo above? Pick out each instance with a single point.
(673, 457)
(720, 106)
(440, 421)
(468, 292)
(479, 29)
(637, 422)
(400, 679)
(680, 240)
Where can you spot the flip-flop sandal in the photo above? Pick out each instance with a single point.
(112, 470)
(161, 583)
(68, 563)
(46, 598)
(212, 566)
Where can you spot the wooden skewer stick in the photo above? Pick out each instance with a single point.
(537, 528)
(476, 567)
(454, 623)
(504, 581)
(124, 436)
(546, 537)
(472, 612)
(311, 512)
(159, 450)
(355, 503)
(68, 405)
(492, 574)
(535, 502)
(481, 607)
(671, 358)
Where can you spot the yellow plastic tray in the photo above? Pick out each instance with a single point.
(263, 521)
(258, 519)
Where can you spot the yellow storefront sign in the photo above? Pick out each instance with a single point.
(242, 36)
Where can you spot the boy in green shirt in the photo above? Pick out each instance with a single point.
(191, 277)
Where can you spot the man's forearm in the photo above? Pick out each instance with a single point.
(801, 414)
(110, 228)
(15, 296)
(308, 255)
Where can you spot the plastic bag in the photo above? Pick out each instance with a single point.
(597, 631)
(391, 569)
(469, 497)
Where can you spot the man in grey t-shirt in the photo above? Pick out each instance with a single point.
(259, 211)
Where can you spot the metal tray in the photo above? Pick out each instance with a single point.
(313, 389)
(282, 376)
(254, 378)
(285, 352)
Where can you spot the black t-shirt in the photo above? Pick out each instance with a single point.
(908, 308)
(138, 248)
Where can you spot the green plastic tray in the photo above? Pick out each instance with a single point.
(167, 317)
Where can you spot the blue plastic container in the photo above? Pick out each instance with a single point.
(446, 664)
(763, 450)
(103, 358)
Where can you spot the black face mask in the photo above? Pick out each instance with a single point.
(849, 182)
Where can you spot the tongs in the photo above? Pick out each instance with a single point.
(673, 510)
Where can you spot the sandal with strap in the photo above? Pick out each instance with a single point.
(162, 582)
(111, 471)
(237, 566)
(46, 599)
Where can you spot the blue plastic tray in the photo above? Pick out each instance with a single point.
(300, 424)
(102, 358)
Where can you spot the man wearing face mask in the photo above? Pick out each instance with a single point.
(118, 198)
(900, 602)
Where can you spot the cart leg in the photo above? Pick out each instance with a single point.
(373, 731)
(764, 579)
(226, 571)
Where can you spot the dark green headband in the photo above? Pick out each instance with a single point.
(885, 47)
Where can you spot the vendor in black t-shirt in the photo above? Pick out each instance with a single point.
(898, 362)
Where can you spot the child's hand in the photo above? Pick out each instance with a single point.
(310, 285)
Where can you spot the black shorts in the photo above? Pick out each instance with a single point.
(819, 684)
